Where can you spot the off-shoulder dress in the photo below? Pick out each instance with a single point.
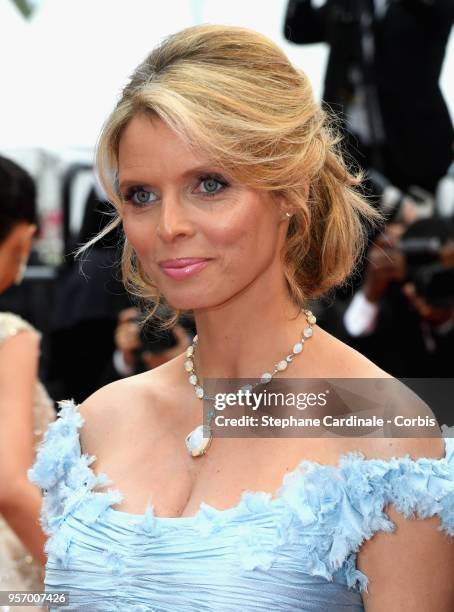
(292, 551)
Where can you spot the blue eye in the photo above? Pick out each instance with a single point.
(213, 184)
(141, 197)
(138, 196)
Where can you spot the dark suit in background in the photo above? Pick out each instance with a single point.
(410, 40)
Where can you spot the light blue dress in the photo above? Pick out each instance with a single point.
(294, 552)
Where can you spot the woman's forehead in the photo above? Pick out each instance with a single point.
(150, 145)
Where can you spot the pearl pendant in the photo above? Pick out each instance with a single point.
(297, 348)
(196, 444)
(307, 333)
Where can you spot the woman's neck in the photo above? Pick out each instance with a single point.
(245, 342)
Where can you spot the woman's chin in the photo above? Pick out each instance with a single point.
(187, 302)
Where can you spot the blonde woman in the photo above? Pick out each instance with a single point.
(25, 408)
(236, 205)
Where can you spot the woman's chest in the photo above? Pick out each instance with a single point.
(166, 476)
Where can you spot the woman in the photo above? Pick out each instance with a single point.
(25, 408)
(235, 205)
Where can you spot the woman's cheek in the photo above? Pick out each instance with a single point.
(233, 228)
(138, 234)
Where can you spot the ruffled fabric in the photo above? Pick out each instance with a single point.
(314, 527)
(346, 503)
(66, 479)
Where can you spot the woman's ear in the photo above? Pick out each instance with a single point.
(286, 209)
(28, 232)
(283, 207)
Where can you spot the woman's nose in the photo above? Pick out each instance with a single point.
(174, 220)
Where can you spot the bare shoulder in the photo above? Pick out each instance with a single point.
(343, 361)
(24, 340)
(346, 362)
(407, 546)
(112, 410)
(390, 448)
(19, 355)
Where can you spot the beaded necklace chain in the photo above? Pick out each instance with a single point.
(196, 443)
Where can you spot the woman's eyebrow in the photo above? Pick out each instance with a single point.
(189, 172)
(207, 167)
(130, 183)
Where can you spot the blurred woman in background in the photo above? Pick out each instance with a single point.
(25, 408)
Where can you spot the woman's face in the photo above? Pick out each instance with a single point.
(14, 250)
(201, 237)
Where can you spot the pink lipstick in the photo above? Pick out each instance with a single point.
(184, 267)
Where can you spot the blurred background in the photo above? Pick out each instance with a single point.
(384, 68)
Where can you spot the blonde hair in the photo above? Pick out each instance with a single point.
(234, 94)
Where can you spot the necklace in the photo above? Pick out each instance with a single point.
(196, 443)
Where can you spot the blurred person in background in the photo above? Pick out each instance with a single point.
(402, 316)
(382, 80)
(25, 408)
(88, 298)
(139, 349)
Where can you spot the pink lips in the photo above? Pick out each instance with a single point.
(183, 268)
